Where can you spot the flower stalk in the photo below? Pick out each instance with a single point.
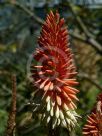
(10, 131)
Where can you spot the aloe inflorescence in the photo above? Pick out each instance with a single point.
(54, 74)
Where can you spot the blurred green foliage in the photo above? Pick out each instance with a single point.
(18, 39)
(3, 121)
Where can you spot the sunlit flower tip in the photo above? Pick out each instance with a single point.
(54, 73)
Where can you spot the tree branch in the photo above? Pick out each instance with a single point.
(79, 20)
(90, 38)
(91, 80)
(29, 12)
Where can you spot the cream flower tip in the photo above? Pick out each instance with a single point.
(54, 122)
(43, 84)
(51, 86)
(48, 119)
(73, 96)
(58, 89)
(69, 114)
(52, 111)
(64, 123)
(58, 122)
(65, 107)
(58, 99)
(47, 99)
(68, 121)
(73, 124)
(61, 115)
(43, 116)
(57, 112)
(53, 103)
(75, 107)
(38, 66)
(46, 87)
(48, 106)
(71, 106)
(37, 81)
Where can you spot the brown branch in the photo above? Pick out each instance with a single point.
(79, 20)
(90, 38)
(29, 12)
(4, 72)
(12, 115)
(91, 80)
(26, 10)
(76, 35)
(90, 41)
